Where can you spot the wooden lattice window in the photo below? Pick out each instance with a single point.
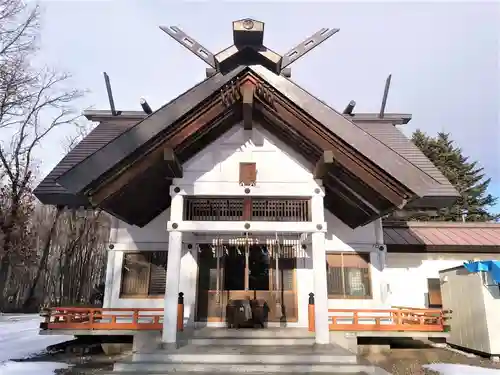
(144, 274)
(246, 208)
(264, 209)
(248, 174)
(348, 275)
(213, 209)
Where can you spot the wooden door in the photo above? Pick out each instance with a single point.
(209, 299)
(246, 272)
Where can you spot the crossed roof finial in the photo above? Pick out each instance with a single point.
(248, 48)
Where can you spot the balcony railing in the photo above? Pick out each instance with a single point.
(246, 208)
(109, 319)
(416, 320)
(81, 318)
(395, 320)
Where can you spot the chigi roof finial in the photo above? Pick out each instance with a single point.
(248, 48)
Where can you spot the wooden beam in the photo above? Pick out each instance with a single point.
(171, 167)
(248, 90)
(323, 165)
(344, 155)
(158, 154)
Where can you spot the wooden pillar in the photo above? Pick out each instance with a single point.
(310, 313)
(180, 312)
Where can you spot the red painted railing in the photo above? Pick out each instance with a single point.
(406, 320)
(83, 318)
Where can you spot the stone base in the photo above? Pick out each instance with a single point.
(113, 349)
(373, 349)
(169, 346)
(146, 342)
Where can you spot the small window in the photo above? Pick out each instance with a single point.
(348, 276)
(248, 174)
(144, 274)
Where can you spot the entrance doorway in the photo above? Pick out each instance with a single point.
(242, 272)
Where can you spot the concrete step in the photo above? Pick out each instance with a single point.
(252, 341)
(251, 359)
(223, 369)
(251, 333)
(242, 359)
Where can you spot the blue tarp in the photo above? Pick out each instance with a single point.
(491, 266)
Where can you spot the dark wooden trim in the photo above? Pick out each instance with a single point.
(344, 156)
(165, 157)
(248, 94)
(247, 208)
(92, 168)
(393, 118)
(335, 125)
(448, 249)
(156, 154)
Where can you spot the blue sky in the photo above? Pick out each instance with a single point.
(443, 57)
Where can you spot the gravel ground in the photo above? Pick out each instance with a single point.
(85, 364)
(398, 361)
(409, 361)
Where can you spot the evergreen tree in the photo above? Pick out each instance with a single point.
(474, 203)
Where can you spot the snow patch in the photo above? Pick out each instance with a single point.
(456, 369)
(19, 339)
(30, 368)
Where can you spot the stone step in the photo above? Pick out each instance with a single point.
(257, 350)
(252, 341)
(147, 368)
(240, 359)
(212, 359)
(251, 333)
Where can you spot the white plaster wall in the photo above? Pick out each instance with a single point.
(405, 276)
(280, 169)
(152, 236)
(277, 164)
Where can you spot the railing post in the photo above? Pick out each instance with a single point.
(180, 312)
(91, 317)
(310, 312)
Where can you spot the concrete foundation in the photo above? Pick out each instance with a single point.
(145, 342)
(113, 349)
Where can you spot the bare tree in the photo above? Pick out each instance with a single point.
(33, 102)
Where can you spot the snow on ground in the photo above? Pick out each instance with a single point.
(19, 339)
(456, 369)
